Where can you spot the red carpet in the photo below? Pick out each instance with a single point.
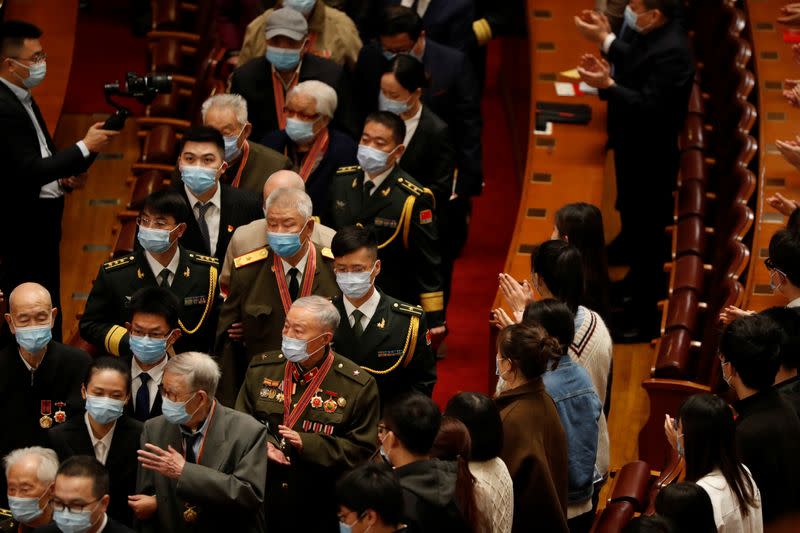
(475, 276)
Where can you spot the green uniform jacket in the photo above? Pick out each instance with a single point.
(255, 301)
(262, 162)
(338, 434)
(394, 347)
(401, 215)
(195, 285)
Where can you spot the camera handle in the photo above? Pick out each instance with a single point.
(116, 121)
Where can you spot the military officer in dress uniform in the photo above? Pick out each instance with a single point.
(40, 379)
(265, 282)
(321, 411)
(161, 261)
(382, 197)
(387, 337)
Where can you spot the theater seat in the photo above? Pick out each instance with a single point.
(674, 354)
(614, 517)
(690, 200)
(631, 484)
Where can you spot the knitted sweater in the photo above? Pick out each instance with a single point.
(494, 493)
(592, 348)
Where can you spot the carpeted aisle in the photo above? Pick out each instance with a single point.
(475, 276)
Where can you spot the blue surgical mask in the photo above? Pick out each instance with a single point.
(397, 107)
(285, 244)
(103, 409)
(296, 350)
(299, 131)
(34, 338)
(354, 284)
(303, 6)
(199, 179)
(389, 55)
(372, 160)
(36, 74)
(175, 412)
(73, 522)
(154, 240)
(679, 443)
(147, 350)
(25, 510)
(232, 148)
(632, 20)
(283, 59)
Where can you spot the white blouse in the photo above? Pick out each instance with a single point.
(727, 515)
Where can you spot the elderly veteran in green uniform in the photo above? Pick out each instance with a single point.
(160, 261)
(379, 195)
(387, 337)
(321, 410)
(265, 282)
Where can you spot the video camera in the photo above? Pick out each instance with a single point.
(143, 88)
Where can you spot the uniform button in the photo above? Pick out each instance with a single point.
(340, 365)
(395, 305)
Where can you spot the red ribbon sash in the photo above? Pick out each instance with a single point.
(308, 277)
(291, 416)
(319, 148)
(245, 154)
(280, 95)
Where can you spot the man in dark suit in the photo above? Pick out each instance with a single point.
(162, 262)
(35, 174)
(249, 164)
(448, 22)
(82, 485)
(105, 432)
(40, 378)
(203, 466)
(218, 208)
(386, 337)
(286, 63)
(647, 100)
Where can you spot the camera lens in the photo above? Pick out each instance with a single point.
(160, 83)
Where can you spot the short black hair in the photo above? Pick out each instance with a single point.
(668, 8)
(109, 363)
(481, 416)
(352, 238)
(13, 34)
(688, 506)
(414, 419)
(788, 319)
(561, 267)
(372, 486)
(399, 19)
(555, 317)
(649, 524)
(167, 202)
(752, 344)
(86, 466)
(391, 121)
(784, 254)
(409, 72)
(157, 301)
(204, 134)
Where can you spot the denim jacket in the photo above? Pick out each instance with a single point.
(579, 408)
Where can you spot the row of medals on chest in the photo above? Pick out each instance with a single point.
(273, 390)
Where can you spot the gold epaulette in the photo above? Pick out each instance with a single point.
(407, 309)
(204, 259)
(432, 301)
(251, 257)
(482, 30)
(116, 263)
(348, 170)
(326, 252)
(414, 189)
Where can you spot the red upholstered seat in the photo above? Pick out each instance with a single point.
(631, 484)
(614, 517)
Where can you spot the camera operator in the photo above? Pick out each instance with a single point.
(35, 174)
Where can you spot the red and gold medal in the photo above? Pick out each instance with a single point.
(46, 421)
(60, 417)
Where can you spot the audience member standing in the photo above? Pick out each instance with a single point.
(787, 381)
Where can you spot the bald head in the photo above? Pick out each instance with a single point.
(29, 293)
(283, 179)
(29, 305)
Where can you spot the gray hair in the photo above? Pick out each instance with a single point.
(290, 199)
(48, 462)
(199, 369)
(322, 308)
(322, 93)
(233, 101)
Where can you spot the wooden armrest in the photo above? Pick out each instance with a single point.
(179, 35)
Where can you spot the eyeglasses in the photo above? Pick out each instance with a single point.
(35, 59)
(58, 505)
(153, 223)
(300, 115)
(140, 333)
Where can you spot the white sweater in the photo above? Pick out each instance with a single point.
(494, 493)
(727, 515)
(592, 348)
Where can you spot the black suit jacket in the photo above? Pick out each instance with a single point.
(447, 21)
(430, 156)
(341, 153)
(72, 438)
(112, 526)
(453, 95)
(253, 81)
(239, 207)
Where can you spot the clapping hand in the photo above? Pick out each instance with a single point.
(790, 15)
(792, 92)
(790, 150)
(731, 313)
(670, 431)
(593, 25)
(782, 204)
(595, 72)
(169, 463)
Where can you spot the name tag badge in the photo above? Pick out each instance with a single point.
(390, 353)
(385, 222)
(195, 300)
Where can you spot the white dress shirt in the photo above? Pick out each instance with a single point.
(157, 267)
(794, 303)
(301, 266)
(411, 126)
(101, 446)
(52, 189)
(379, 179)
(368, 308)
(156, 374)
(728, 515)
(422, 6)
(212, 215)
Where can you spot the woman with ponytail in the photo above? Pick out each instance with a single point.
(534, 443)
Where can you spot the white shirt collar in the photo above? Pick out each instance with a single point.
(368, 308)
(106, 440)
(30, 368)
(204, 427)
(23, 94)
(794, 303)
(214, 200)
(157, 267)
(301, 266)
(155, 373)
(380, 178)
(104, 524)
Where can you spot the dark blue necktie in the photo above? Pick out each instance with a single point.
(189, 442)
(142, 408)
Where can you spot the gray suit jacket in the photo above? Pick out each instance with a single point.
(227, 487)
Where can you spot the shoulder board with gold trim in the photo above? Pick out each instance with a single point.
(350, 370)
(412, 188)
(348, 170)
(251, 257)
(407, 309)
(326, 252)
(204, 259)
(268, 358)
(117, 263)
